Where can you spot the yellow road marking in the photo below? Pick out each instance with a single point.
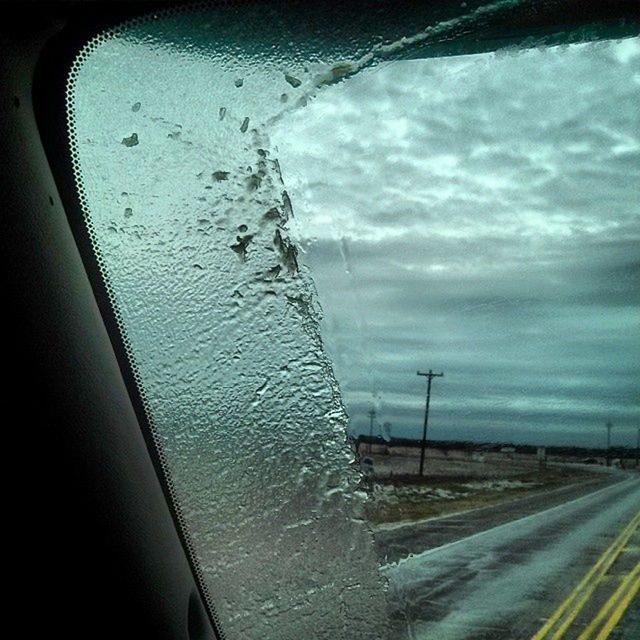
(620, 543)
(599, 569)
(619, 610)
(580, 586)
(611, 602)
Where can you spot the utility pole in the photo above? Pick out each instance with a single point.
(609, 425)
(429, 377)
(372, 415)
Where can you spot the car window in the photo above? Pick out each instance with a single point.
(291, 230)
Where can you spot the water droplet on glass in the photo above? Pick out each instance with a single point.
(219, 176)
(136, 107)
(288, 251)
(128, 212)
(284, 97)
(273, 272)
(292, 80)
(253, 182)
(272, 214)
(262, 388)
(132, 141)
(241, 246)
(286, 202)
(222, 113)
(242, 228)
(239, 82)
(245, 125)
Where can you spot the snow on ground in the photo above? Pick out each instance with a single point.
(499, 485)
(389, 494)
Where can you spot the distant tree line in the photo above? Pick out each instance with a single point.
(465, 445)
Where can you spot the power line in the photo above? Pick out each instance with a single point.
(429, 377)
(608, 425)
(372, 415)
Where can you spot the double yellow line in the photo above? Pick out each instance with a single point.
(614, 607)
(558, 624)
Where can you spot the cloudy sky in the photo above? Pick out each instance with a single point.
(479, 216)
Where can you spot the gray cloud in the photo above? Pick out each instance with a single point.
(479, 215)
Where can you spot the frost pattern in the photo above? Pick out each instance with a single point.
(222, 327)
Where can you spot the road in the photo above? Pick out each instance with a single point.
(396, 542)
(498, 573)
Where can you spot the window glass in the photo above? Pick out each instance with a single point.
(188, 211)
(290, 229)
(478, 214)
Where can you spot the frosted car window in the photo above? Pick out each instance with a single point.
(195, 137)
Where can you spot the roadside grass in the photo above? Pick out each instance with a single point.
(410, 498)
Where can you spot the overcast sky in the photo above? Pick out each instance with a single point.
(479, 216)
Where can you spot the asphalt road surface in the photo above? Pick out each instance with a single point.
(497, 573)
